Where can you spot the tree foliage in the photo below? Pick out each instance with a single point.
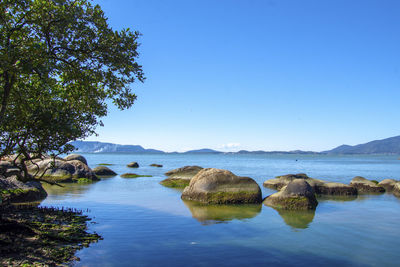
(60, 63)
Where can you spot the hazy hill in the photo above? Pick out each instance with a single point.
(98, 147)
(385, 146)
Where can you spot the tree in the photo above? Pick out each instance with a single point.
(60, 63)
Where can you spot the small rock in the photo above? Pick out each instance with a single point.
(133, 165)
(156, 165)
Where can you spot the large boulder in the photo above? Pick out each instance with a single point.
(180, 177)
(297, 195)
(215, 186)
(76, 157)
(14, 191)
(133, 164)
(60, 170)
(320, 187)
(388, 184)
(365, 186)
(103, 171)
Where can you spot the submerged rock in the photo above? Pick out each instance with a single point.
(388, 184)
(103, 171)
(297, 195)
(156, 165)
(366, 186)
(76, 157)
(60, 170)
(180, 177)
(215, 186)
(14, 191)
(133, 165)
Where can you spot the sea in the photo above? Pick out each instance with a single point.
(146, 224)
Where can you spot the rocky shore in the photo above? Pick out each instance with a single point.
(40, 236)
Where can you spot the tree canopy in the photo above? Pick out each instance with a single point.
(60, 62)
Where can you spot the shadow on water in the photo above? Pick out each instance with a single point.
(341, 198)
(212, 214)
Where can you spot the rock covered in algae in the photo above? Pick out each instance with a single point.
(133, 164)
(180, 177)
(366, 186)
(104, 171)
(216, 186)
(14, 191)
(297, 195)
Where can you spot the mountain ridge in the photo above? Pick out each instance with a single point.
(389, 145)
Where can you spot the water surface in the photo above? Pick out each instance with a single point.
(146, 224)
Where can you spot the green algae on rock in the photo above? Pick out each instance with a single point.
(180, 177)
(14, 191)
(216, 186)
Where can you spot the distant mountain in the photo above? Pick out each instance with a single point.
(385, 146)
(204, 150)
(100, 147)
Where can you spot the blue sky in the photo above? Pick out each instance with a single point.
(259, 74)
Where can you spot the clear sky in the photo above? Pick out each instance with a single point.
(260, 74)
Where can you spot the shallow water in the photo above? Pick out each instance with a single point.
(146, 224)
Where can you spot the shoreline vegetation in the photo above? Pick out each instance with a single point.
(44, 236)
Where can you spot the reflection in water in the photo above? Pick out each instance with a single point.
(298, 219)
(211, 214)
(67, 188)
(340, 198)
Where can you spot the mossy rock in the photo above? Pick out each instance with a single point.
(105, 164)
(133, 165)
(133, 175)
(156, 165)
(177, 183)
(215, 186)
(297, 195)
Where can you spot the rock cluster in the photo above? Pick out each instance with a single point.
(320, 187)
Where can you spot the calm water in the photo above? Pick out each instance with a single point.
(146, 224)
